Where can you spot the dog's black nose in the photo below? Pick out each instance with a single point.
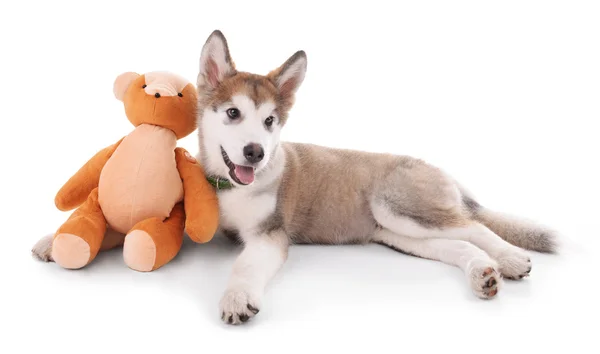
(254, 153)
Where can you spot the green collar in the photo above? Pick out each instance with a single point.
(220, 183)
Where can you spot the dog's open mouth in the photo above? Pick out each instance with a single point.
(240, 174)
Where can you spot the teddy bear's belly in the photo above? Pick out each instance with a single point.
(140, 180)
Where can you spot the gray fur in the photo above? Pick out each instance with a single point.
(422, 192)
(515, 230)
(232, 235)
(272, 223)
(327, 193)
(518, 231)
(325, 196)
(42, 250)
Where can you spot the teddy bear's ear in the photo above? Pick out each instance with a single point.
(122, 83)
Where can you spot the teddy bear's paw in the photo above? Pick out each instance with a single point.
(139, 251)
(238, 306)
(70, 251)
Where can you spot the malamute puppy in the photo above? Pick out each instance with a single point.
(273, 194)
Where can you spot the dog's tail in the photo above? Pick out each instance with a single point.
(517, 231)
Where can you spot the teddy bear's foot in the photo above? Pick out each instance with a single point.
(42, 250)
(70, 251)
(153, 242)
(139, 251)
(78, 240)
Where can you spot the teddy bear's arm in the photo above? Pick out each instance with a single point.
(77, 189)
(200, 199)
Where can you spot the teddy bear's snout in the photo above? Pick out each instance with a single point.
(162, 89)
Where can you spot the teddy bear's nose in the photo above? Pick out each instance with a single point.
(157, 95)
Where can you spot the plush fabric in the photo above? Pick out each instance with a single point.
(200, 199)
(154, 242)
(79, 187)
(144, 107)
(78, 240)
(141, 179)
(122, 83)
(143, 186)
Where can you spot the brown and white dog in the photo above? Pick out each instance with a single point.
(284, 193)
(273, 194)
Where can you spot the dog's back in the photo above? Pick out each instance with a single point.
(325, 192)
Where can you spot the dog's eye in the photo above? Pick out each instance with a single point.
(269, 121)
(233, 113)
(144, 86)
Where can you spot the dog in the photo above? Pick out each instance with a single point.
(273, 194)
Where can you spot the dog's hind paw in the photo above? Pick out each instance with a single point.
(514, 263)
(485, 280)
(42, 250)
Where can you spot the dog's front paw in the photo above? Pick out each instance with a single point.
(238, 306)
(514, 263)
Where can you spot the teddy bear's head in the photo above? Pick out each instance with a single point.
(158, 98)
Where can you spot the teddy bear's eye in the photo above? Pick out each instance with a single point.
(180, 94)
(144, 86)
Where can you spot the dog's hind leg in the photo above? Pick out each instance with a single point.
(418, 200)
(513, 262)
(481, 271)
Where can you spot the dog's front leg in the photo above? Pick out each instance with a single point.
(261, 258)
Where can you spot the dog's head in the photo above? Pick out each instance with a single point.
(241, 114)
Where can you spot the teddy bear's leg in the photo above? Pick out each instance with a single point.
(152, 243)
(78, 240)
(112, 239)
(42, 249)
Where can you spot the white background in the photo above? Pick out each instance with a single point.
(502, 95)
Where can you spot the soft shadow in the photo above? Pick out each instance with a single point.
(313, 279)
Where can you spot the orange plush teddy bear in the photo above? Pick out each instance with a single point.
(143, 186)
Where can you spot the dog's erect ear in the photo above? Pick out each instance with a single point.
(289, 76)
(215, 62)
(122, 83)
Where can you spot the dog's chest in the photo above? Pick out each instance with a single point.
(243, 209)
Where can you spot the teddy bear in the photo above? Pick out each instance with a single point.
(143, 186)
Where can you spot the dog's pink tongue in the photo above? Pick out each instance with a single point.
(244, 173)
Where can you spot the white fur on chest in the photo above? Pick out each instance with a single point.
(242, 209)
